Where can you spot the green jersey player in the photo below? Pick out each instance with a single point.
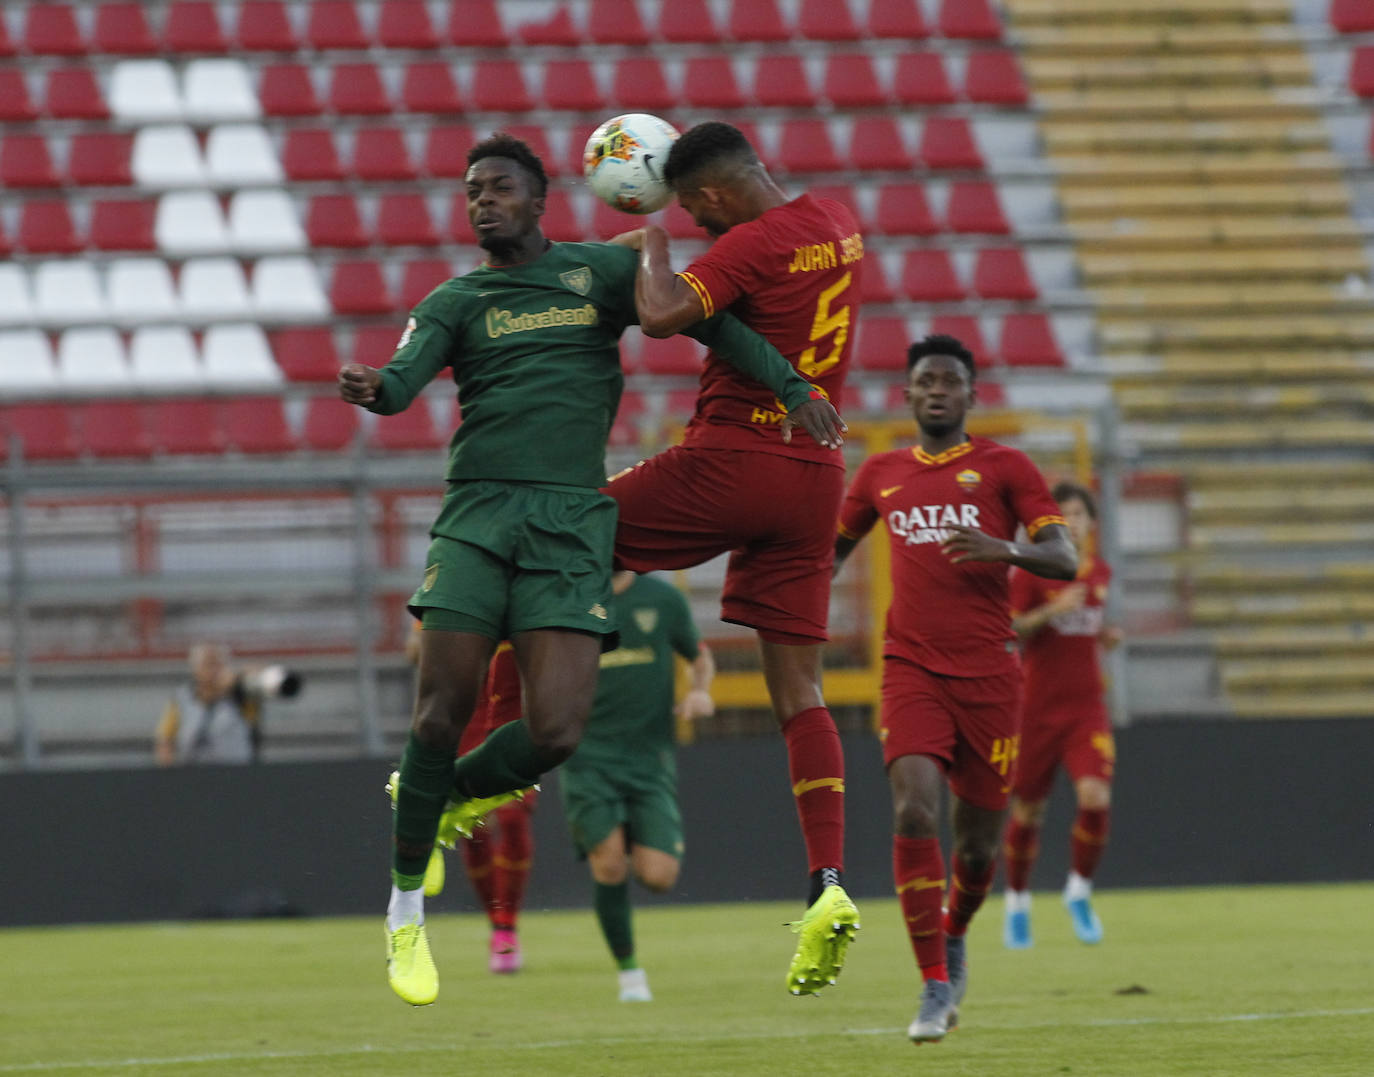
(620, 787)
(522, 545)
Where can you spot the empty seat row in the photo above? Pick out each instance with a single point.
(1018, 339)
(933, 275)
(136, 290)
(271, 25)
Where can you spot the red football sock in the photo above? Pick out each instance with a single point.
(1089, 838)
(966, 894)
(1020, 846)
(918, 869)
(477, 860)
(816, 764)
(511, 863)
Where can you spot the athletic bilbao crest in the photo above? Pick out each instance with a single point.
(968, 479)
(579, 279)
(647, 620)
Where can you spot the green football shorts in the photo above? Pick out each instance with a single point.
(507, 557)
(598, 797)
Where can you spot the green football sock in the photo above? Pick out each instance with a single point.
(425, 782)
(507, 760)
(612, 904)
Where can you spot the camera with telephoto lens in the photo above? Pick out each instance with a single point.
(272, 682)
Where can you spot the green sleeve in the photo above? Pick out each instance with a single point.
(425, 349)
(750, 354)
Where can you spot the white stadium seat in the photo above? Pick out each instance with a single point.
(68, 292)
(167, 156)
(238, 355)
(144, 91)
(164, 356)
(141, 290)
(240, 154)
(190, 222)
(215, 90)
(264, 221)
(26, 361)
(288, 288)
(92, 358)
(16, 303)
(213, 288)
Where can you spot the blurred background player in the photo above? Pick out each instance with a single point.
(951, 679)
(521, 548)
(1064, 721)
(620, 787)
(791, 270)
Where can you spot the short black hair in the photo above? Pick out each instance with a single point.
(941, 344)
(503, 145)
(1071, 491)
(707, 144)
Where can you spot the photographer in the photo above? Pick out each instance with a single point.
(217, 716)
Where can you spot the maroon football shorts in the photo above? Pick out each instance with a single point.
(1080, 739)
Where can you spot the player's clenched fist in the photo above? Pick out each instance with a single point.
(358, 384)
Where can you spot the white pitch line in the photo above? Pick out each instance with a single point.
(590, 1041)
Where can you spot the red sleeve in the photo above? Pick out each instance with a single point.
(1025, 589)
(858, 511)
(1031, 502)
(728, 270)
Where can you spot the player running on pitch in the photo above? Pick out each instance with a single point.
(951, 678)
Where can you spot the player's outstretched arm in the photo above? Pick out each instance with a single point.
(844, 546)
(666, 303)
(697, 701)
(1051, 554)
(358, 384)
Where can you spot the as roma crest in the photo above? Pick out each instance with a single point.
(968, 479)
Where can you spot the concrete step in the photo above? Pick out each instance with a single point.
(1261, 331)
(1306, 704)
(1170, 199)
(1158, 301)
(1222, 228)
(1286, 68)
(1287, 134)
(1254, 402)
(1319, 500)
(1327, 265)
(1285, 640)
(1096, 41)
(1289, 610)
(1207, 104)
(1306, 672)
(1280, 538)
(1111, 14)
(1106, 170)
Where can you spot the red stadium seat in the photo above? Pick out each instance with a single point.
(679, 405)
(876, 144)
(874, 285)
(710, 83)
(827, 20)
(993, 77)
(477, 23)
(380, 153)
(687, 22)
(73, 94)
(640, 85)
(969, 19)
(904, 210)
(45, 227)
(780, 80)
(182, 427)
(16, 106)
(627, 429)
(46, 431)
(571, 85)
(6, 248)
(101, 159)
(6, 43)
(947, 143)
(535, 137)
(757, 20)
(420, 278)
(1028, 340)
(330, 424)
(405, 24)
(306, 353)
(287, 90)
(1362, 71)
(25, 161)
(851, 81)
(51, 30)
(310, 154)
(257, 424)
(806, 146)
(897, 19)
(263, 26)
(357, 90)
(1002, 274)
(560, 222)
(333, 220)
(360, 288)
(966, 329)
(608, 222)
(123, 29)
(921, 79)
(675, 356)
(616, 22)
(124, 225)
(881, 344)
(409, 430)
(928, 276)
(374, 344)
(430, 87)
(842, 193)
(334, 24)
(499, 86)
(446, 151)
(1351, 16)
(193, 26)
(403, 220)
(975, 208)
(113, 428)
(556, 29)
(680, 224)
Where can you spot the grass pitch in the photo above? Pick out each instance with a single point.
(1242, 981)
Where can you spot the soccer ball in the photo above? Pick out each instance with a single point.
(624, 159)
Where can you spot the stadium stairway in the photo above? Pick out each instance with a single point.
(1216, 230)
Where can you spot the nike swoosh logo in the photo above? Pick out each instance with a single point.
(889, 491)
(648, 157)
